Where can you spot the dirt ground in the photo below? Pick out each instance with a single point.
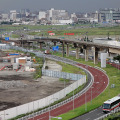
(17, 88)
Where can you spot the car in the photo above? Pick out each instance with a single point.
(116, 61)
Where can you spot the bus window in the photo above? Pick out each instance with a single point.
(106, 106)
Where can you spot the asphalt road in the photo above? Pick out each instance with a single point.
(91, 115)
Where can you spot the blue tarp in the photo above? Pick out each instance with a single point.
(13, 54)
(55, 48)
(6, 38)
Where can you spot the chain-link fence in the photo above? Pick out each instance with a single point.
(63, 75)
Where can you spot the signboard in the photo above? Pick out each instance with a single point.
(55, 48)
(49, 31)
(69, 34)
(51, 34)
(6, 38)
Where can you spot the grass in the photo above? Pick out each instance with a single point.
(81, 31)
(114, 77)
(59, 30)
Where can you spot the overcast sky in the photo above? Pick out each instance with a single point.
(69, 5)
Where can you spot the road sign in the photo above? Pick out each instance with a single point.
(55, 48)
(6, 38)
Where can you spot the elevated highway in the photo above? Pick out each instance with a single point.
(79, 45)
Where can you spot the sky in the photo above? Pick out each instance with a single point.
(69, 5)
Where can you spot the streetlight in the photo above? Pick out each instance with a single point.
(49, 106)
(73, 97)
(91, 94)
(85, 102)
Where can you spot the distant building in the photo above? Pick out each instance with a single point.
(56, 15)
(5, 16)
(74, 17)
(13, 15)
(42, 15)
(109, 15)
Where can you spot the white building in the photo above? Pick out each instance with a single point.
(64, 22)
(58, 14)
(42, 14)
(5, 16)
(13, 15)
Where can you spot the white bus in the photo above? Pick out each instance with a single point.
(111, 104)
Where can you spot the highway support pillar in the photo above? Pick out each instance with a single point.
(40, 45)
(63, 49)
(77, 53)
(95, 55)
(86, 54)
(54, 43)
(67, 50)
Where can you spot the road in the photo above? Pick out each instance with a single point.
(91, 115)
(100, 83)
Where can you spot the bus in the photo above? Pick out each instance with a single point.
(111, 104)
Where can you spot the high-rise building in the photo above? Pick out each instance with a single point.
(41, 15)
(58, 14)
(13, 15)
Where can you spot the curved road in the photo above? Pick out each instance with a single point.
(100, 83)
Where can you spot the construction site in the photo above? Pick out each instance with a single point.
(17, 84)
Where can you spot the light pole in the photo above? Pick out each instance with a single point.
(91, 94)
(33, 110)
(49, 106)
(73, 97)
(85, 103)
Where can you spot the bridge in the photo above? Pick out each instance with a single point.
(79, 45)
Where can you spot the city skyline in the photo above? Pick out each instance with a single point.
(69, 5)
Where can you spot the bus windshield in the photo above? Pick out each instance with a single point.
(106, 106)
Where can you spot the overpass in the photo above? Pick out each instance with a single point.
(82, 45)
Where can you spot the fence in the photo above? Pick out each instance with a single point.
(63, 75)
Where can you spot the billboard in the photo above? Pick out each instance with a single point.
(69, 34)
(51, 34)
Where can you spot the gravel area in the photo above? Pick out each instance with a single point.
(23, 88)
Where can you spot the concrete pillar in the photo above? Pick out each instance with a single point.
(54, 43)
(63, 49)
(95, 55)
(77, 53)
(40, 45)
(86, 54)
(67, 50)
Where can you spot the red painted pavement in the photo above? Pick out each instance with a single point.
(99, 85)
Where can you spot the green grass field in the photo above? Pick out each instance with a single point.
(61, 29)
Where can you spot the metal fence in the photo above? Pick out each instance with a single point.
(63, 75)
